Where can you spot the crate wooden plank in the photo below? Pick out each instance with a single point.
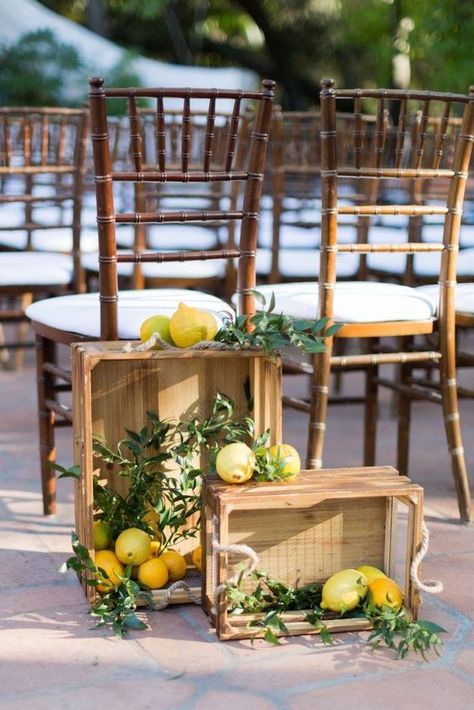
(113, 390)
(305, 531)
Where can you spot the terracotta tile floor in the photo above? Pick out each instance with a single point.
(50, 657)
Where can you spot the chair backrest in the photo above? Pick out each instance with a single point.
(42, 165)
(213, 168)
(295, 169)
(406, 154)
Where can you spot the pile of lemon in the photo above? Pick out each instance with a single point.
(151, 566)
(345, 590)
(236, 463)
(186, 327)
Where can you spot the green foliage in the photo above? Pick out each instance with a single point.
(117, 607)
(271, 598)
(271, 332)
(398, 631)
(39, 70)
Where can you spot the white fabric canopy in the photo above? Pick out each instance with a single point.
(100, 54)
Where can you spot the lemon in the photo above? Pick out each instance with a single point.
(344, 590)
(196, 557)
(189, 326)
(284, 451)
(108, 561)
(132, 546)
(155, 549)
(370, 572)
(102, 535)
(175, 563)
(156, 324)
(153, 573)
(152, 518)
(235, 463)
(383, 591)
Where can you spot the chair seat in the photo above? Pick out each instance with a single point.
(57, 239)
(354, 301)
(35, 269)
(211, 269)
(81, 313)
(426, 265)
(171, 237)
(464, 298)
(304, 263)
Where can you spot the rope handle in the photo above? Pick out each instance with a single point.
(432, 586)
(180, 584)
(246, 551)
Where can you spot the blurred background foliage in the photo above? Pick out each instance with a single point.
(391, 43)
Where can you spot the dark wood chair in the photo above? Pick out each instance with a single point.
(110, 314)
(370, 311)
(42, 163)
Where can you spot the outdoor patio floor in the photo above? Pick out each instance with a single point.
(52, 657)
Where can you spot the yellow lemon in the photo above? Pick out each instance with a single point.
(370, 572)
(196, 557)
(175, 563)
(102, 535)
(189, 326)
(235, 463)
(152, 518)
(344, 590)
(132, 546)
(284, 451)
(383, 591)
(108, 561)
(153, 573)
(155, 549)
(156, 324)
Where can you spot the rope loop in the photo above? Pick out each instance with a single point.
(431, 586)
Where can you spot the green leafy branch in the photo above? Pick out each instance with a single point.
(272, 598)
(117, 607)
(271, 332)
(398, 631)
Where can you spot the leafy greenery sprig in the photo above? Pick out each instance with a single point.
(272, 598)
(271, 332)
(116, 607)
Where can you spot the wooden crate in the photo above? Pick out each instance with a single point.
(113, 390)
(306, 530)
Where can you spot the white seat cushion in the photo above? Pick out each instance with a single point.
(35, 269)
(304, 263)
(426, 265)
(58, 239)
(354, 301)
(214, 268)
(464, 298)
(81, 314)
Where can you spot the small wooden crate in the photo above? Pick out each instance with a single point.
(113, 390)
(306, 530)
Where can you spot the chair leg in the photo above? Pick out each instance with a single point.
(370, 415)
(452, 424)
(319, 404)
(46, 352)
(403, 412)
(23, 328)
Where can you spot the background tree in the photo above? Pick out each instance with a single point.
(297, 42)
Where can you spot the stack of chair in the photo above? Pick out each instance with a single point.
(111, 314)
(370, 311)
(42, 168)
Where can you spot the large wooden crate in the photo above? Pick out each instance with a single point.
(113, 390)
(306, 530)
